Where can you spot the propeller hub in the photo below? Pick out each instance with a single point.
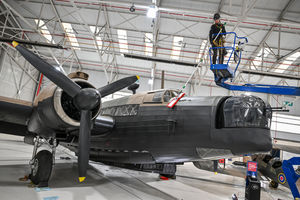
(87, 99)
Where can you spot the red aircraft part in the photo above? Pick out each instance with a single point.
(174, 100)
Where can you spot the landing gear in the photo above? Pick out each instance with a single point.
(168, 171)
(42, 161)
(41, 168)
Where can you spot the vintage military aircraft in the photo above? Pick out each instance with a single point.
(268, 165)
(138, 132)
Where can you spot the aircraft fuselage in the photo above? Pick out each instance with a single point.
(149, 132)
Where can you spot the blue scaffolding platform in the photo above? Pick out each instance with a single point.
(290, 175)
(223, 73)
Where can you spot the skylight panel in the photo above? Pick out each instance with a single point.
(259, 58)
(177, 42)
(287, 62)
(95, 31)
(70, 34)
(148, 44)
(201, 51)
(122, 36)
(44, 30)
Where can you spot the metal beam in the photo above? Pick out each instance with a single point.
(283, 12)
(141, 31)
(63, 29)
(287, 55)
(194, 11)
(284, 57)
(87, 27)
(221, 4)
(15, 60)
(109, 33)
(204, 21)
(31, 26)
(244, 12)
(155, 41)
(2, 59)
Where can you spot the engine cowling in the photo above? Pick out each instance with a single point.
(54, 111)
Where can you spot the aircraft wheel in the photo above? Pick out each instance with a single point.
(273, 184)
(42, 168)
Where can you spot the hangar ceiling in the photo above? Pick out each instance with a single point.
(102, 35)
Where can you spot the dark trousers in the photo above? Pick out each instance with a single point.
(215, 54)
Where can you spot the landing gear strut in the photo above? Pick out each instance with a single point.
(168, 171)
(42, 161)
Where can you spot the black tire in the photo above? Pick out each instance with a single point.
(43, 167)
(273, 184)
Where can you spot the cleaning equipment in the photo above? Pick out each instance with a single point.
(223, 72)
(181, 94)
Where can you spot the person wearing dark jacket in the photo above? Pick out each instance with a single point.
(217, 40)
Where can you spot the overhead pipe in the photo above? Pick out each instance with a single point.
(162, 60)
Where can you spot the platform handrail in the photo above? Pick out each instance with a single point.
(233, 48)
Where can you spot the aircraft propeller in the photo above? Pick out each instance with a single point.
(85, 99)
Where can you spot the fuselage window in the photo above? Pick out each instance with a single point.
(174, 93)
(157, 97)
(167, 96)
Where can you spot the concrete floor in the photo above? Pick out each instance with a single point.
(105, 182)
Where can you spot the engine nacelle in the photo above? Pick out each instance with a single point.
(54, 111)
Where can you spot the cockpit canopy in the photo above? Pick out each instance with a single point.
(160, 96)
(244, 111)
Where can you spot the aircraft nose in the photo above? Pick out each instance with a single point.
(243, 125)
(246, 111)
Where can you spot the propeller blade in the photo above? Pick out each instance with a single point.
(84, 143)
(117, 85)
(57, 77)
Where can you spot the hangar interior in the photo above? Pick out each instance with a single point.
(167, 49)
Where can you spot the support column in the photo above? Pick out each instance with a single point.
(2, 59)
(162, 79)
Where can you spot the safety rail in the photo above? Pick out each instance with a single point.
(223, 72)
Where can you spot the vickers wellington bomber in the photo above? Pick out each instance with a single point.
(138, 132)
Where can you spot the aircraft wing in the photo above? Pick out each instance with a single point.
(232, 170)
(14, 115)
(289, 146)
